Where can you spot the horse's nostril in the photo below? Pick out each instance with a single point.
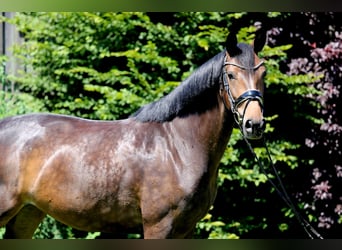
(249, 124)
(257, 126)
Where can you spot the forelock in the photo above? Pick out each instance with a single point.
(246, 57)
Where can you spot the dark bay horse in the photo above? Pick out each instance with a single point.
(155, 171)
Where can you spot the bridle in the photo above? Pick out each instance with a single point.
(248, 95)
(255, 95)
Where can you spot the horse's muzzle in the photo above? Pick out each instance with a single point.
(254, 129)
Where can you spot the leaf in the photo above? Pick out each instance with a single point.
(203, 43)
(217, 224)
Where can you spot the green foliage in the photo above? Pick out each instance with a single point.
(18, 103)
(14, 102)
(216, 229)
(94, 64)
(49, 228)
(290, 84)
(2, 232)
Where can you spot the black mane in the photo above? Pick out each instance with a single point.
(196, 94)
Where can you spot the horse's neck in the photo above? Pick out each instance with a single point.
(209, 132)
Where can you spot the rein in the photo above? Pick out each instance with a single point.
(249, 96)
(311, 232)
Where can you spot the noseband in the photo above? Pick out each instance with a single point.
(249, 95)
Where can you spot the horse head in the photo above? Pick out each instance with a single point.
(243, 73)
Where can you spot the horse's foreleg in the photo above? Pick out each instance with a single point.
(24, 224)
(161, 229)
(168, 228)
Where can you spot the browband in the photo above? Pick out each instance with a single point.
(243, 67)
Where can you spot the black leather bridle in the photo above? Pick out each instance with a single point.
(248, 95)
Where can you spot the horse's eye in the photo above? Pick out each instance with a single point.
(231, 75)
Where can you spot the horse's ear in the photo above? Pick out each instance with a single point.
(231, 45)
(260, 40)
